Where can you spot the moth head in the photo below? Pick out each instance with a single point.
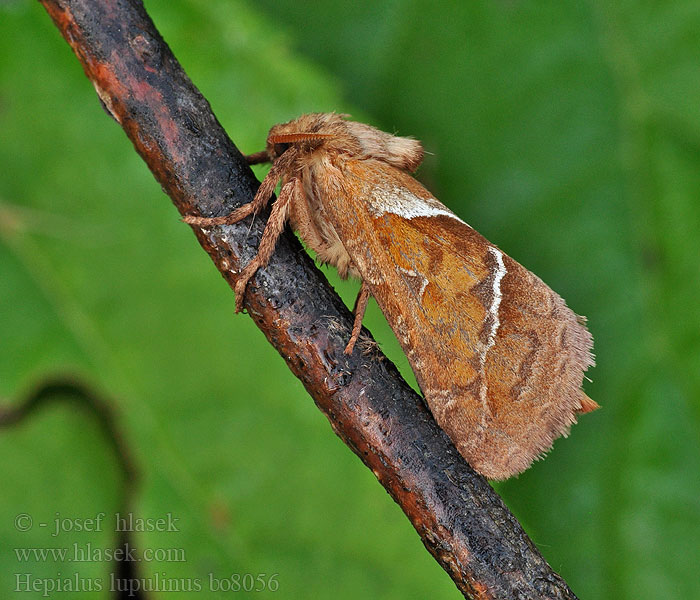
(307, 134)
(332, 132)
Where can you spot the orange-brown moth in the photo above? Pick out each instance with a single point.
(498, 355)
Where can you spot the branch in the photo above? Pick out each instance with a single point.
(460, 519)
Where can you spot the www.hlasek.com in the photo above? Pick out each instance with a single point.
(158, 582)
(87, 552)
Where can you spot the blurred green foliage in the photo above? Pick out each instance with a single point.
(567, 133)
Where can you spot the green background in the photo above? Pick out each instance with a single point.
(568, 133)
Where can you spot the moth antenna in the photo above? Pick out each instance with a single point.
(292, 138)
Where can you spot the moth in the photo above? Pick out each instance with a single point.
(498, 355)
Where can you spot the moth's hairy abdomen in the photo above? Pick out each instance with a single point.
(307, 217)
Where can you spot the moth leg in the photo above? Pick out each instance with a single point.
(273, 229)
(239, 214)
(257, 158)
(359, 310)
(262, 196)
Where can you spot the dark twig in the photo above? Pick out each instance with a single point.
(460, 519)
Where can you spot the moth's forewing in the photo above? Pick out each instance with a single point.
(497, 354)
